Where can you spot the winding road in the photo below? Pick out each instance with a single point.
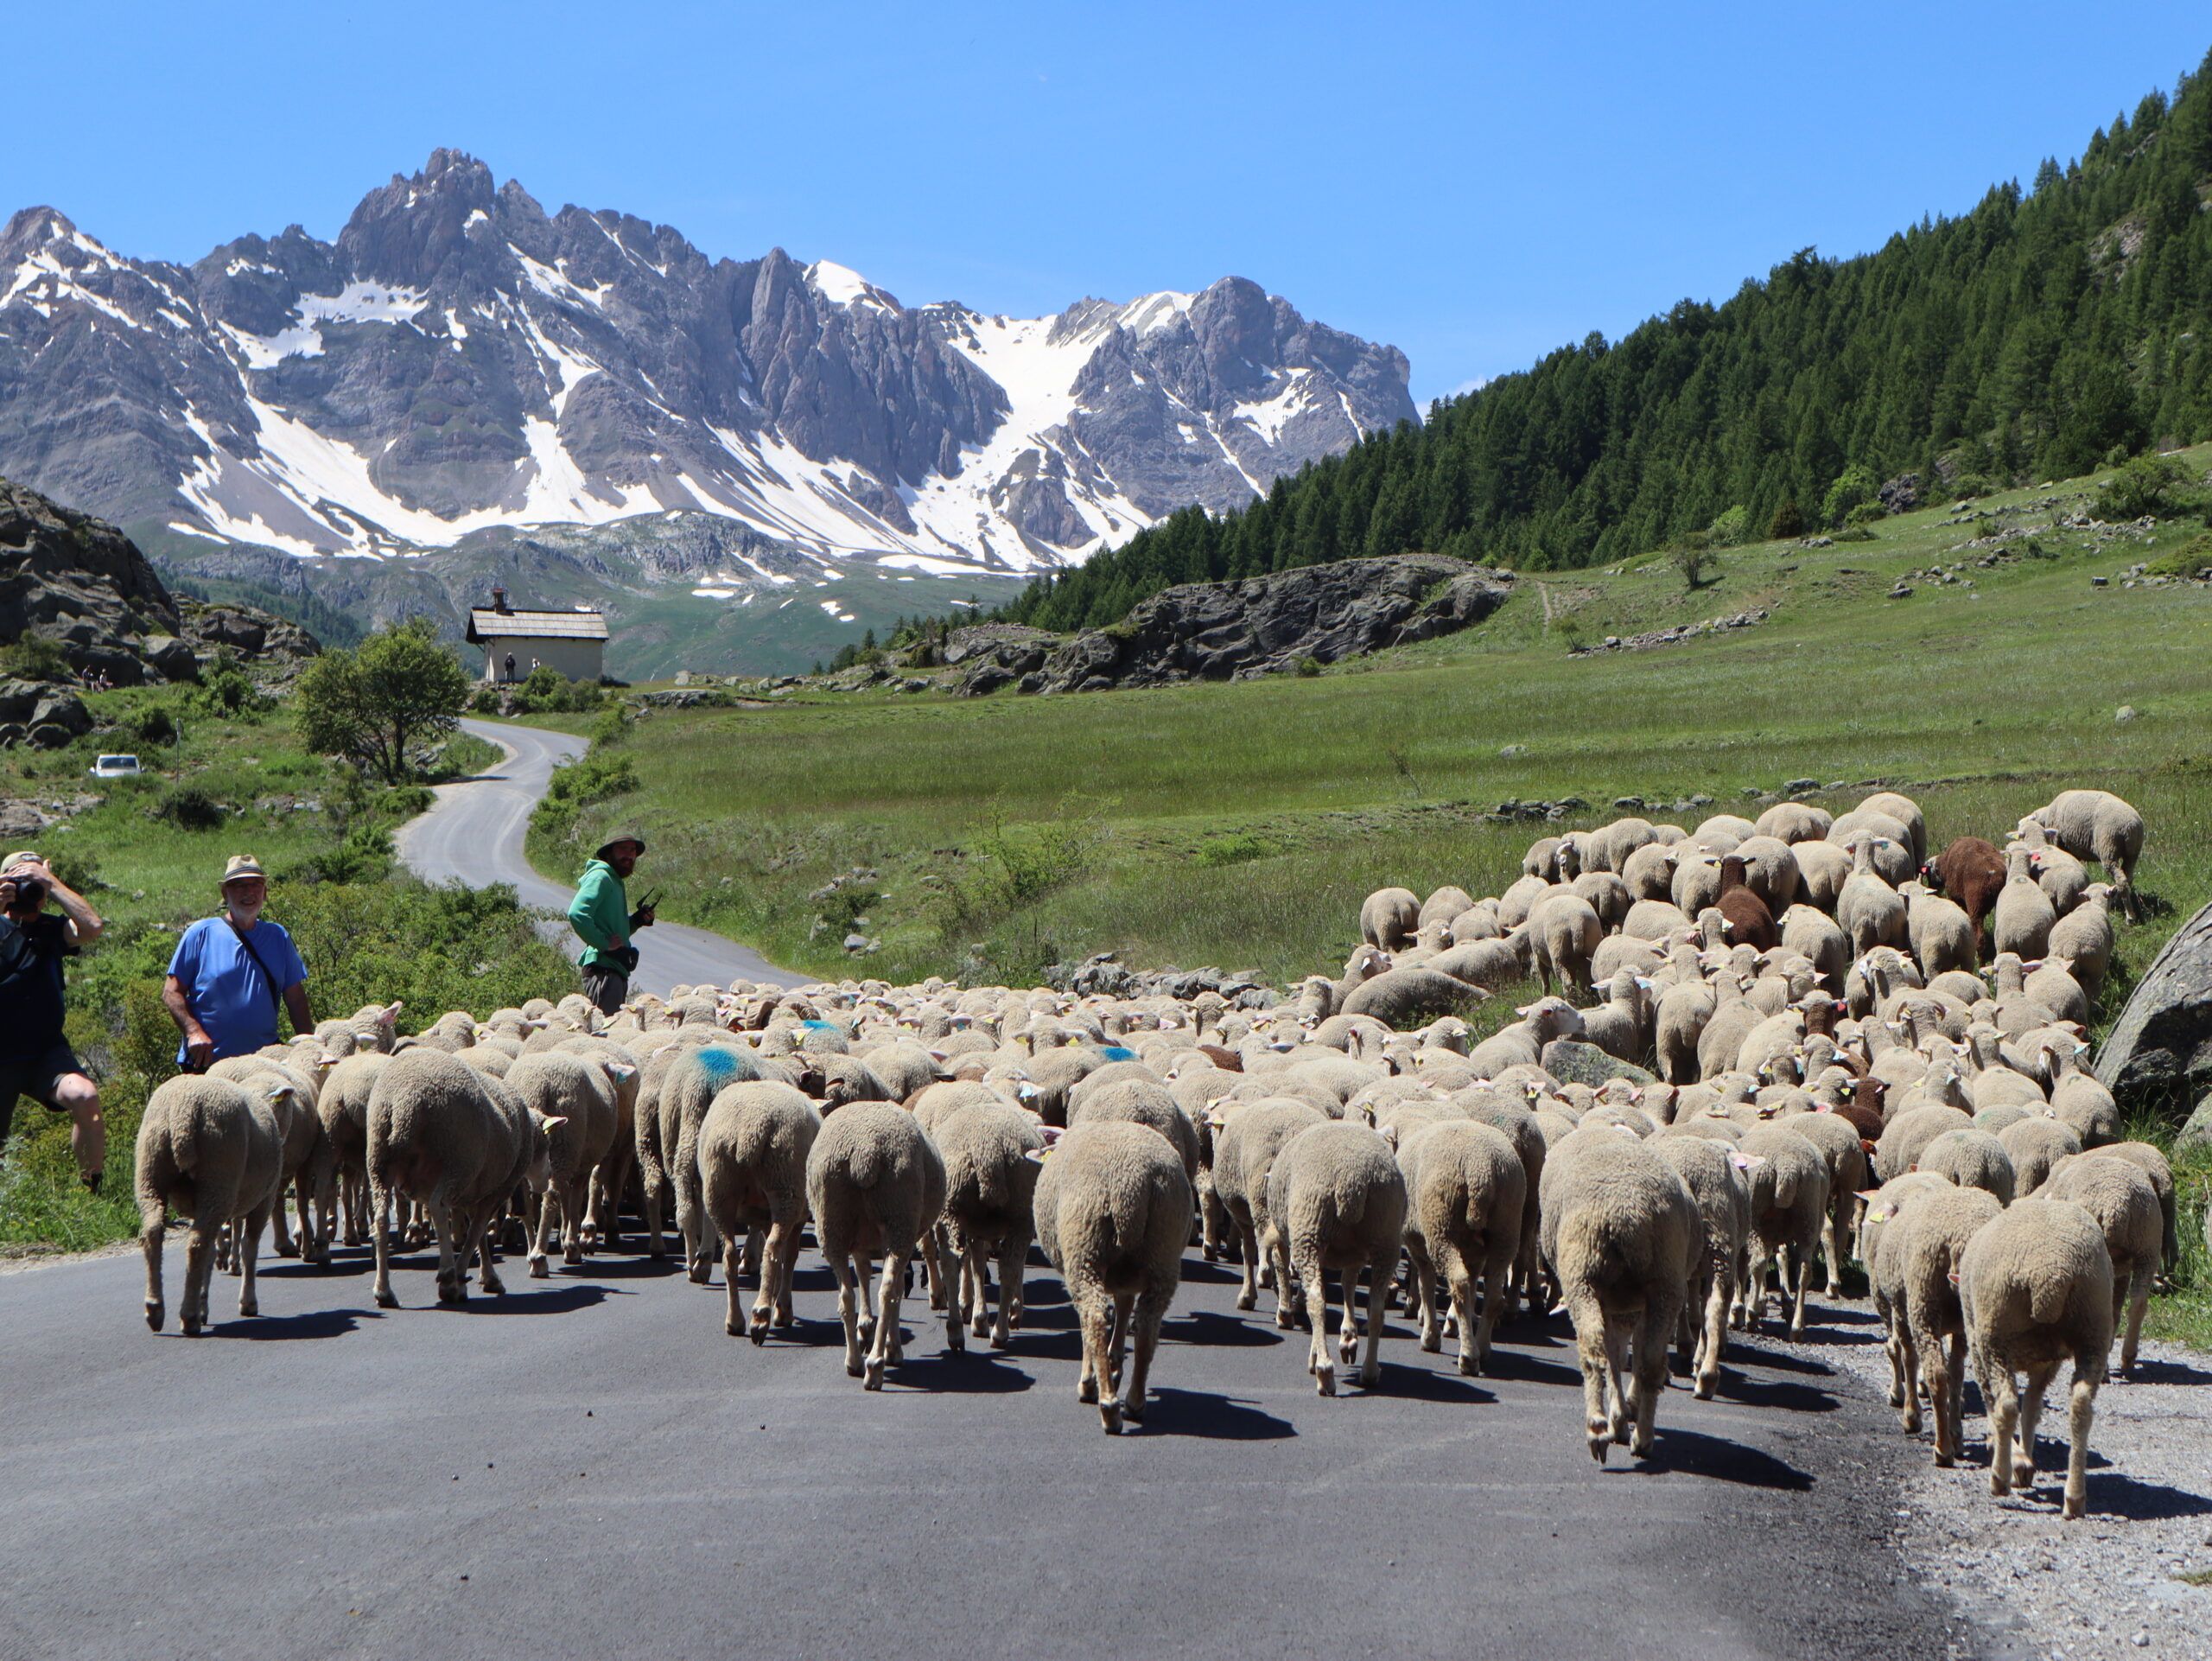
(474, 835)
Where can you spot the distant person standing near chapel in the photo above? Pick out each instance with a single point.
(234, 974)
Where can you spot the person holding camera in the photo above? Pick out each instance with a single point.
(36, 1059)
(233, 975)
(602, 917)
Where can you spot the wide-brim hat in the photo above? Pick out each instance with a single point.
(26, 856)
(241, 867)
(616, 841)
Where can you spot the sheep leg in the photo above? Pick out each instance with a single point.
(1152, 1308)
(1588, 1317)
(2138, 1300)
(573, 1204)
(1313, 1279)
(1118, 1341)
(1474, 1355)
(1213, 1238)
(383, 1242)
(1713, 1344)
(654, 1182)
(249, 1250)
(1949, 1421)
(1348, 1334)
(453, 1255)
(281, 1240)
(1832, 1242)
(484, 1220)
(1370, 1369)
(885, 1349)
(1800, 1266)
(1247, 1296)
(734, 1323)
(152, 1231)
(940, 1291)
(1619, 1377)
(1432, 1318)
(1661, 1316)
(353, 1204)
(849, 1310)
(199, 1272)
(1095, 1312)
(2080, 1411)
(1286, 1308)
(783, 1243)
(2032, 1392)
(1904, 1372)
(956, 1315)
(540, 1262)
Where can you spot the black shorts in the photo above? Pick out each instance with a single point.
(38, 1077)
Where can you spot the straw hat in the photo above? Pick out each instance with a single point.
(241, 867)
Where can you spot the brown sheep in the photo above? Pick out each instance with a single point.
(1969, 873)
(1750, 921)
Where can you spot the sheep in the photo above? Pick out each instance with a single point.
(1941, 935)
(2022, 920)
(1113, 1210)
(2062, 878)
(1734, 1017)
(1917, 1273)
(1712, 1170)
(688, 1089)
(1246, 1145)
(2119, 1194)
(1518, 1126)
(1137, 1101)
(2035, 1291)
(1678, 1029)
(1442, 907)
(1607, 849)
(1403, 998)
(753, 1145)
(1770, 868)
(441, 1133)
(1973, 1158)
(342, 1105)
(1697, 882)
(1728, 828)
(2160, 1170)
(2051, 983)
(1749, 918)
(1844, 1152)
(1907, 1132)
(1872, 822)
(1814, 936)
(1337, 1200)
(2097, 824)
(307, 1150)
(1465, 1189)
(2079, 1100)
(1793, 823)
(875, 1185)
(579, 1090)
(1388, 918)
(1622, 1234)
(214, 1150)
(2035, 1144)
(1478, 922)
(1541, 857)
(2083, 938)
(1789, 1212)
(1564, 930)
(1649, 873)
(1622, 1025)
(1647, 921)
(1969, 873)
(989, 1183)
(1868, 908)
(1488, 964)
(1822, 869)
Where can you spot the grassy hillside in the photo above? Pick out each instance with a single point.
(1240, 824)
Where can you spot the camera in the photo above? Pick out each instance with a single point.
(31, 891)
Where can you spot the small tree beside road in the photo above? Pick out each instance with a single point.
(399, 688)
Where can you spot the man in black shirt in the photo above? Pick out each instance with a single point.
(36, 1059)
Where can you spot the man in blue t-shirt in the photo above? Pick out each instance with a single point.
(231, 974)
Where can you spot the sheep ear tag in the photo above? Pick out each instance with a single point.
(1747, 1161)
(1881, 1214)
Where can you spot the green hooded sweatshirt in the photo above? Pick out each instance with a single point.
(600, 915)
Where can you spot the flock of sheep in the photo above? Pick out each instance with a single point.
(1790, 1052)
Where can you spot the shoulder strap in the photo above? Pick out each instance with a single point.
(17, 953)
(276, 994)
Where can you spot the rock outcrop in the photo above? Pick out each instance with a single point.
(79, 583)
(1263, 624)
(2160, 1051)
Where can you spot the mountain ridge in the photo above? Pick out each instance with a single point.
(457, 360)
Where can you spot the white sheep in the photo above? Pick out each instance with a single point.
(214, 1148)
(2120, 1196)
(753, 1150)
(875, 1185)
(1337, 1200)
(990, 1187)
(1918, 1274)
(1465, 1189)
(2097, 824)
(2035, 1291)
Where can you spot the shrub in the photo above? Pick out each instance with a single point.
(545, 692)
(485, 701)
(1308, 668)
(1853, 491)
(2145, 488)
(613, 724)
(1233, 848)
(34, 658)
(2192, 558)
(153, 725)
(377, 705)
(226, 691)
(1864, 514)
(1731, 528)
(1699, 565)
(575, 786)
(189, 807)
(1855, 533)
(79, 868)
(364, 855)
(1789, 521)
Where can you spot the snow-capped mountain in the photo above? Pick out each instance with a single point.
(458, 360)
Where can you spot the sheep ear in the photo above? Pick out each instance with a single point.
(556, 1121)
(1052, 1134)
(1868, 1195)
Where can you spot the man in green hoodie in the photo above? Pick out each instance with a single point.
(602, 917)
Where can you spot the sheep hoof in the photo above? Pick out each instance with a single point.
(1640, 1448)
(956, 1336)
(540, 1269)
(1086, 1389)
(153, 1312)
(190, 1325)
(1133, 1410)
(1998, 1484)
(854, 1370)
(2074, 1509)
(700, 1274)
(1600, 1445)
(1944, 1461)
(1325, 1379)
(248, 1305)
(875, 1378)
(1706, 1387)
(1432, 1343)
(1110, 1414)
(735, 1328)
(1470, 1364)
(387, 1300)
(1370, 1376)
(1246, 1300)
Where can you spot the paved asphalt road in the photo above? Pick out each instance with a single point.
(590, 1468)
(475, 834)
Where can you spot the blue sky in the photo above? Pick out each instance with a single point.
(1475, 184)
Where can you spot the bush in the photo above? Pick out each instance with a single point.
(1855, 533)
(1789, 521)
(2148, 487)
(34, 658)
(1864, 514)
(544, 691)
(1846, 495)
(2192, 558)
(364, 855)
(1234, 848)
(576, 786)
(485, 701)
(613, 724)
(1699, 565)
(77, 868)
(189, 807)
(1731, 528)
(153, 725)
(377, 705)
(1308, 668)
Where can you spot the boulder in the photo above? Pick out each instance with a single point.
(2160, 1049)
(79, 582)
(62, 709)
(1267, 625)
(171, 658)
(2197, 1133)
(1573, 1062)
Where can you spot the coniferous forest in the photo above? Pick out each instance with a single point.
(2047, 331)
